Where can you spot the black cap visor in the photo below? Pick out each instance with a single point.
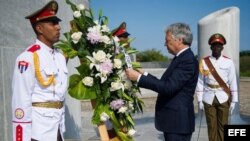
(53, 19)
(124, 35)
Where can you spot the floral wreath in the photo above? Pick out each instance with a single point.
(102, 75)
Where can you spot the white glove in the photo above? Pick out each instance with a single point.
(201, 106)
(232, 106)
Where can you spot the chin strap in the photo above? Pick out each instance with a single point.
(38, 73)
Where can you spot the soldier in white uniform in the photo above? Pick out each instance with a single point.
(40, 82)
(217, 98)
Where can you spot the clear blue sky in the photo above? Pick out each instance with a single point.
(147, 19)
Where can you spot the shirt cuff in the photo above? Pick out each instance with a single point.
(138, 79)
(145, 73)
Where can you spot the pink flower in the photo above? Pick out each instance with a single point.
(116, 104)
(106, 67)
(94, 34)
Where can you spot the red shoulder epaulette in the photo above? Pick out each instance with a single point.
(34, 48)
(226, 57)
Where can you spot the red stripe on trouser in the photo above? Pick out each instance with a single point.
(19, 133)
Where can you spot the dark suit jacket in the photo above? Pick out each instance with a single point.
(174, 111)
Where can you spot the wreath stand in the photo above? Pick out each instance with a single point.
(104, 136)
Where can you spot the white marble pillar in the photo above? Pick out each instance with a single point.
(227, 22)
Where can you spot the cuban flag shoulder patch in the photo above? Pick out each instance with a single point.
(23, 66)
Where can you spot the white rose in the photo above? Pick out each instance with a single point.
(117, 63)
(100, 56)
(109, 55)
(127, 84)
(123, 109)
(96, 22)
(131, 105)
(77, 14)
(76, 37)
(80, 7)
(88, 81)
(105, 39)
(105, 28)
(116, 39)
(131, 132)
(102, 76)
(116, 86)
(123, 75)
(104, 117)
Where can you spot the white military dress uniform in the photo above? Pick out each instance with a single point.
(208, 88)
(40, 123)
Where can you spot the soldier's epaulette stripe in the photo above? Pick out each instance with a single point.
(226, 57)
(34, 48)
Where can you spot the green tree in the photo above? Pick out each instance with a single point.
(245, 63)
(151, 55)
(245, 53)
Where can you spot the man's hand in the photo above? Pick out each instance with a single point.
(201, 106)
(232, 106)
(132, 74)
(141, 71)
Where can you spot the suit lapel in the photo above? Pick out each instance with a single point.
(170, 68)
(173, 64)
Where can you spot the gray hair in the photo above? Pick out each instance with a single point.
(181, 31)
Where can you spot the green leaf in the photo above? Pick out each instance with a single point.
(114, 119)
(124, 137)
(100, 14)
(91, 12)
(104, 20)
(82, 52)
(74, 80)
(131, 40)
(84, 69)
(139, 104)
(99, 109)
(132, 51)
(67, 36)
(105, 91)
(78, 90)
(120, 56)
(73, 6)
(66, 47)
(97, 112)
(72, 53)
(129, 118)
(136, 65)
(127, 97)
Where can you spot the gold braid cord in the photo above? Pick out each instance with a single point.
(38, 73)
(202, 71)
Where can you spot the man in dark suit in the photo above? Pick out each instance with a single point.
(174, 111)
